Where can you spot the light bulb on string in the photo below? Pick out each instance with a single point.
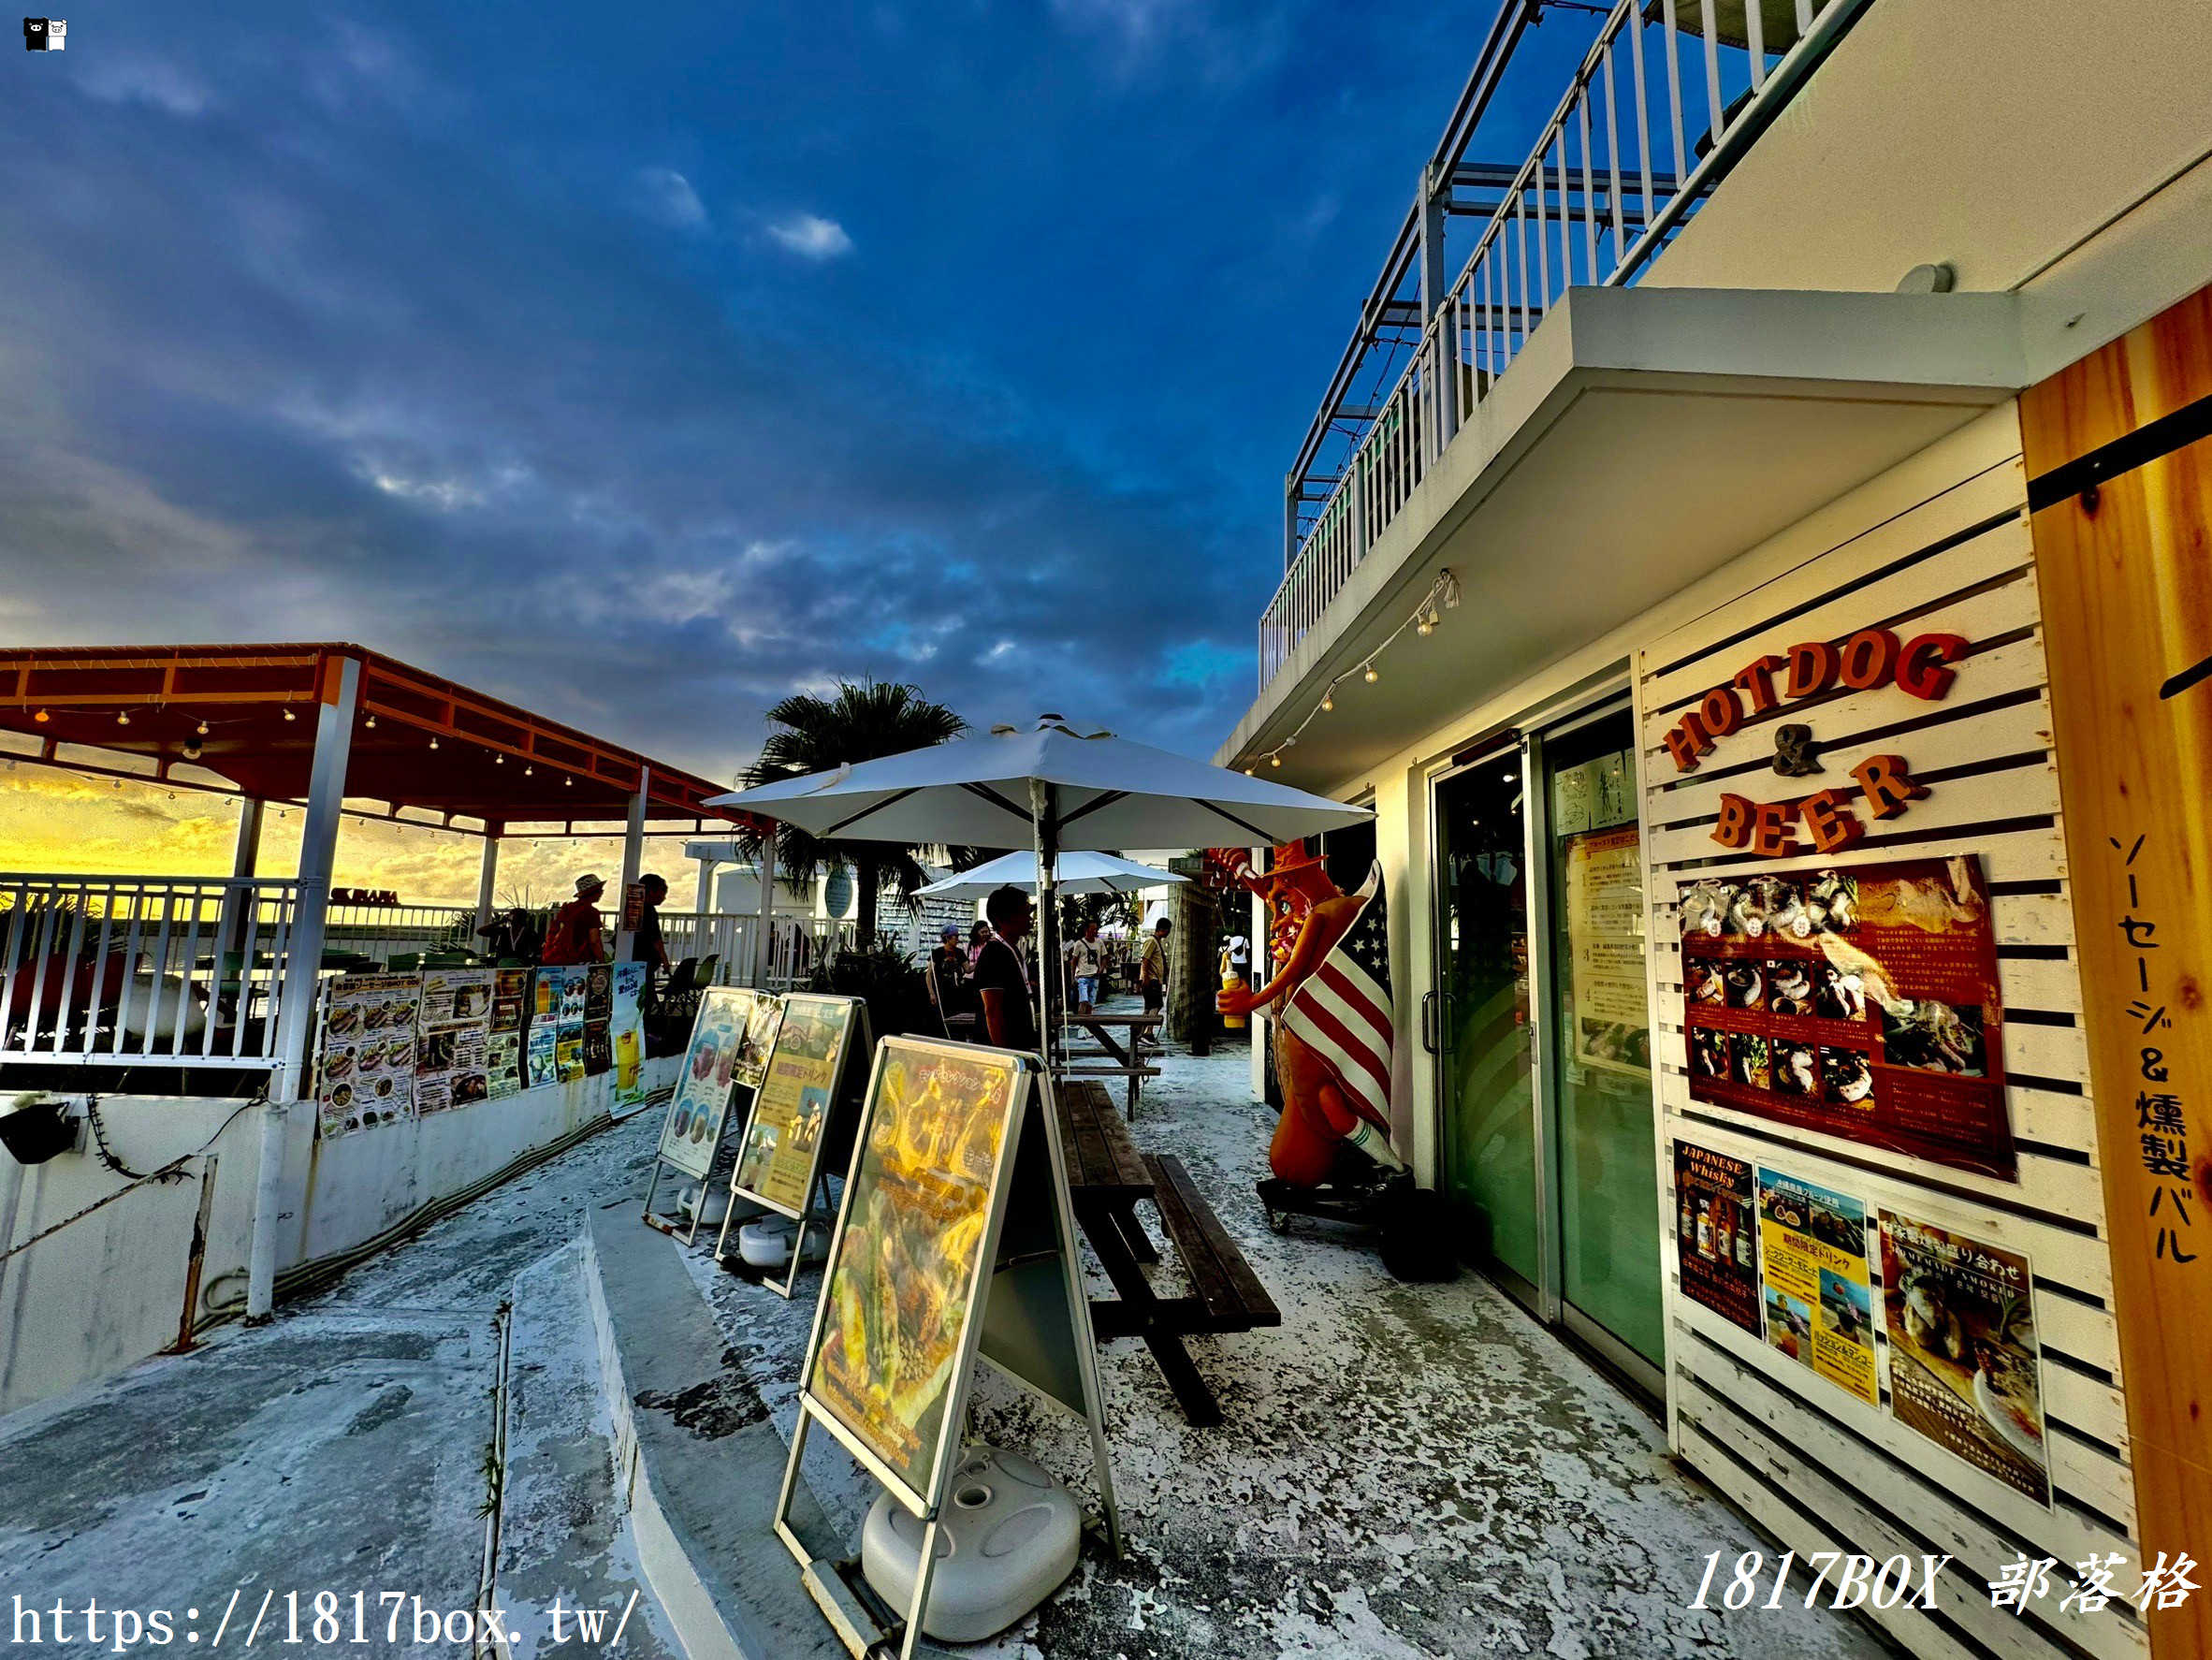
(201, 729)
(1274, 761)
(1424, 626)
(370, 723)
(1370, 675)
(1328, 698)
(433, 741)
(42, 716)
(289, 714)
(123, 717)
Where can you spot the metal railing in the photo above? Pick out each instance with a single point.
(111, 971)
(1619, 167)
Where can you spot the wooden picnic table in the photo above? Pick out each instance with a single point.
(1107, 1178)
(1120, 1062)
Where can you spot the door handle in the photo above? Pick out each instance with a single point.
(1428, 1023)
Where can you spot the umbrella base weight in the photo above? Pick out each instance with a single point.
(1010, 1534)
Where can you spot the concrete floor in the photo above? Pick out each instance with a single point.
(1404, 1470)
(343, 1448)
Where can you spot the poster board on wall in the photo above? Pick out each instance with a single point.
(366, 1075)
(1860, 1002)
(626, 1030)
(1965, 1364)
(1716, 1234)
(504, 1062)
(453, 1029)
(955, 1240)
(1603, 901)
(1815, 1293)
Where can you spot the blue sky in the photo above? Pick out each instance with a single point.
(644, 367)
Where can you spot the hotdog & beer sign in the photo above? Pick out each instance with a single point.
(1918, 666)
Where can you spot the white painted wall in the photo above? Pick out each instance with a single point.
(104, 1292)
(2007, 140)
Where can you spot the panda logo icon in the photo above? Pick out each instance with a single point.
(45, 34)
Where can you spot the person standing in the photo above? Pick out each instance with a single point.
(1010, 1021)
(578, 935)
(1152, 968)
(646, 944)
(949, 964)
(1083, 963)
(978, 936)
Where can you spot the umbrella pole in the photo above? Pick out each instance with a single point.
(1045, 817)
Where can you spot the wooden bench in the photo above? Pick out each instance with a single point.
(1223, 1281)
(1107, 1178)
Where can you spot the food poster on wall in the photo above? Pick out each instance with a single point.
(692, 1130)
(1813, 1273)
(1964, 1359)
(1605, 959)
(452, 1032)
(904, 1275)
(792, 1108)
(367, 1075)
(1716, 1234)
(502, 1049)
(1861, 1003)
(568, 1041)
(599, 990)
(626, 1031)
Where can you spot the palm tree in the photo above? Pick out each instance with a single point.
(862, 722)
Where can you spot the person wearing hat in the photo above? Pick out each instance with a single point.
(950, 965)
(578, 935)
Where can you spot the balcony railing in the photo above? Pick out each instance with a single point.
(1623, 161)
(115, 970)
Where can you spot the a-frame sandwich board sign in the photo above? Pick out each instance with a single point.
(955, 1242)
(731, 1038)
(801, 1124)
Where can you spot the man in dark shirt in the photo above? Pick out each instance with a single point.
(646, 944)
(950, 965)
(1009, 1020)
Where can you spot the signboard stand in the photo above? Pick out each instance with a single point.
(730, 1039)
(955, 1242)
(799, 1114)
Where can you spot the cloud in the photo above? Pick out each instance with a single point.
(134, 78)
(812, 237)
(668, 197)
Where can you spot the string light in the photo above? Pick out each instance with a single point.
(123, 717)
(433, 740)
(370, 723)
(289, 714)
(42, 716)
(1424, 618)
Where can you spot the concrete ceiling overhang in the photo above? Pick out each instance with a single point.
(1643, 438)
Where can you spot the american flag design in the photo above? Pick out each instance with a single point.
(1343, 1010)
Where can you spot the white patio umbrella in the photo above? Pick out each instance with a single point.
(1078, 873)
(1051, 788)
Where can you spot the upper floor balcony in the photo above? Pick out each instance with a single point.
(1669, 96)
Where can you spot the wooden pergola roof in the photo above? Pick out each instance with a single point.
(420, 740)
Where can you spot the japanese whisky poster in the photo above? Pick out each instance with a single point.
(1965, 1365)
(1819, 1307)
(776, 1160)
(367, 1075)
(1717, 1238)
(904, 1283)
(1860, 1003)
(452, 1029)
(1604, 919)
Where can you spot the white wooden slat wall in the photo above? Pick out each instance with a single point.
(1941, 545)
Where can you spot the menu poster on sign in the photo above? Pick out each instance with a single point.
(626, 1031)
(1965, 1366)
(1860, 1003)
(1715, 1238)
(909, 1256)
(1812, 1259)
(599, 990)
(502, 1050)
(776, 1160)
(541, 1056)
(452, 1026)
(367, 1075)
(693, 1129)
(1604, 914)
